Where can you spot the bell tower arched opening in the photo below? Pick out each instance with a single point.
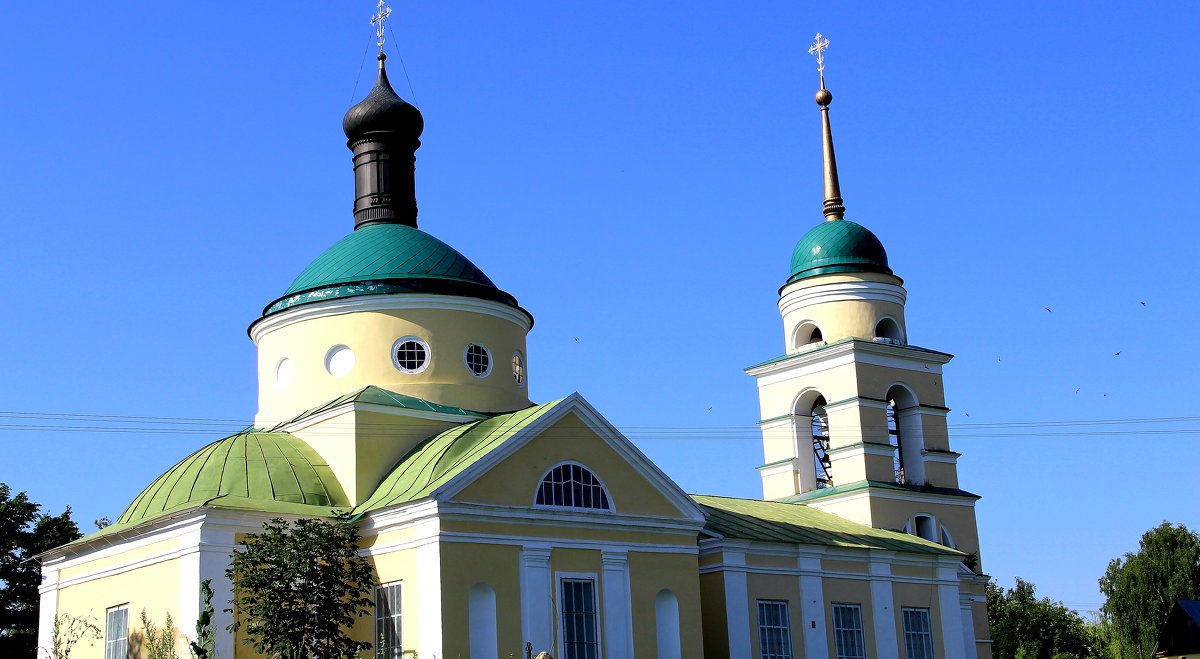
(904, 433)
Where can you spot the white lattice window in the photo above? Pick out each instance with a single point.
(478, 359)
(388, 640)
(918, 634)
(774, 630)
(580, 639)
(848, 642)
(410, 354)
(572, 486)
(116, 633)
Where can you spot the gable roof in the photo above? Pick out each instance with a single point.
(773, 521)
(435, 461)
(377, 396)
(1181, 633)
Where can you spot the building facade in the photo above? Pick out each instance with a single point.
(393, 381)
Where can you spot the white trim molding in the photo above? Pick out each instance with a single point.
(843, 291)
(387, 302)
(617, 603)
(537, 593)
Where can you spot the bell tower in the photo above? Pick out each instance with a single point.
(853, 414)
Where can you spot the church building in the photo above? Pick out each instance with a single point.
(393, 386)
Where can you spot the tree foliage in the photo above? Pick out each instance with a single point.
(204, 647)
(298, 587)
(1026, 627)
(68, 631)
(25, 532)
(1141, 587)
(160, 641)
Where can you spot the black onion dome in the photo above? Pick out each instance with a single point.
(383, 111)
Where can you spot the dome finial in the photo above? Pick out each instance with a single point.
(834, 210)
(382, 11)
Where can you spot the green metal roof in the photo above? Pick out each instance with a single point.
(377, 396)
(859, 485)
(433, 462)
(837, 246)
(388, 258)
(265, 471)
(773, 521)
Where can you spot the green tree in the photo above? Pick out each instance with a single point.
(1025, 627)
(25, 532)
(298, 587)
(1141, 587)
(160, 641)
(68, 631)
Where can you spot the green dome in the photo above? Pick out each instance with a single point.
(273, 472)
(838, 246)
(388, 258)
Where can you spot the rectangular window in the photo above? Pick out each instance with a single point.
(918, 634)
(848, 632)
(578, 605)
(387, 639)
(116, 633)
(774, 631)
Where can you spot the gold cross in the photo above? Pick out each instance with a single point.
(818, 47)
(377, 20)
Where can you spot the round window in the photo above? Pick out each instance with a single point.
(518, 364)
(479, 361)
(410, 354)
(339, 361)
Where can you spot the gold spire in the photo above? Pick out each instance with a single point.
(381, 13)
(834, 210)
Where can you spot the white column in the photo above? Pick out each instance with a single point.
(737, 604)
(812, 606)
(429, 599)
(618, 611)
(951, 613)
(216, 547)
(883, 612)
(47, 607)
(537, 618)
(189, 587)
(965, 602)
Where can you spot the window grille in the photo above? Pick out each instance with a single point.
(388, 639)
(848, 632)
(579, 637)
(572, 486)
(116, 633)
(895, 438)
(820, 442)
(774, 630)
(411, 355)
(479, 362)
(518, 366)
(918, 634)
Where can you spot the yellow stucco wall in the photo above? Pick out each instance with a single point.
(361, 446)
(849, 591)
(513, 482)
(371, 334)
(650, 573)
(775, 587)
(467, 564)
(154, 588)
(713, 617)
(844, 318)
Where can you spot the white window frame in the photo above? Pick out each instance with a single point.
(860, 643)
(612, 505)
(517, 356)
(491, 359)
(398, 616)
(915, 635)
(559, 578)
(787, 628)
(116, 647)
(416, 339)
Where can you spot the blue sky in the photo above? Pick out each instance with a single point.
(636, 174)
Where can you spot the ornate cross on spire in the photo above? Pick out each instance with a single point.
(818, 47)
(382, 12)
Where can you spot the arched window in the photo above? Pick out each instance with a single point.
(896, 439)
(572, 486)
(820, 443)
(888, 329)
(924, 526)
(905, 433)
(807, 336)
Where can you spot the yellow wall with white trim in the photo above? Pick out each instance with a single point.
(371, 335)
(153, 587)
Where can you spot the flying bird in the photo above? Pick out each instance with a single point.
(1076, 391)
(1116, 353)
(1143, 304)
(1047, 309)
